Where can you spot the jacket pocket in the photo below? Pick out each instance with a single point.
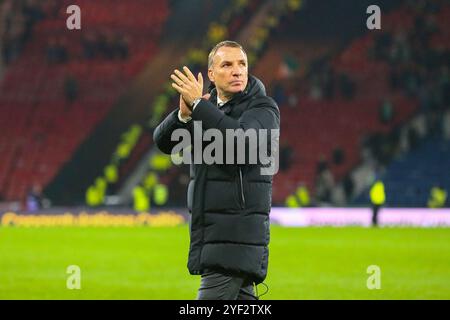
(240, 186)
(190, 195)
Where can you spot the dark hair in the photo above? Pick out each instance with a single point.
(226, 43)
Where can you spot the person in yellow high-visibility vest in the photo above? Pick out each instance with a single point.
(438, 197)
(299, 199)
(160, 194)
(378, 198)
(93, 196)
(303, 196)
(141, 201)
(292, 202)
(111, 173)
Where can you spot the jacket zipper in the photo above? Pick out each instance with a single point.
(241, 188)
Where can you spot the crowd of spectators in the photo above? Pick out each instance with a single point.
(419, 69)
(95, 45)
(17, 18)
(57, 51)
(107, 45)
(325, 83)
(322, 82)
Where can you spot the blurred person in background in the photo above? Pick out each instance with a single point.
(438, 197)
(377, 198)
(70, 88)
(386, 111)
(324, 181)
(141, 200)
(286, 154)
(35, 199)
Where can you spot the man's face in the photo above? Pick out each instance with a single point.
(229, 71)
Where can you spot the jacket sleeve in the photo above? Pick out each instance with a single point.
(163, 132)
(263, 113)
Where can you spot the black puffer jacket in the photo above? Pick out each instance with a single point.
(230, 204)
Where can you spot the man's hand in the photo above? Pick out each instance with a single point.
(187, 86)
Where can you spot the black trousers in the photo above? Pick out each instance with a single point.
(220, 286)
(375, 210)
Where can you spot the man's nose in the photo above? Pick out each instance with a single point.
(237, 71)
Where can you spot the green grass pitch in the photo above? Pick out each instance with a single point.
(150, 263)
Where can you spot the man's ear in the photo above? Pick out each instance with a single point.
(211, 75)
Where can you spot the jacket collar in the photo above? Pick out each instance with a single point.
(254, 87)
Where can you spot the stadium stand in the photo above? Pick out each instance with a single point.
(357, 89)
(372, 64)
(50, 109)
(410, 178)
